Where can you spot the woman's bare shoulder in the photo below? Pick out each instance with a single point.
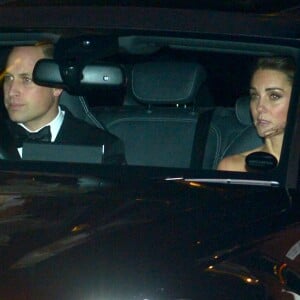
(234, 162)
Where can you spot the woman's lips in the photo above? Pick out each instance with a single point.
(263, 122)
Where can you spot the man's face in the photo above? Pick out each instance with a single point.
(26, 102)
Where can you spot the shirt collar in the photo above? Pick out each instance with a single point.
(55, 124)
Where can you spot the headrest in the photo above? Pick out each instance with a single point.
(242, 110)
(79, 108)
(167, 82)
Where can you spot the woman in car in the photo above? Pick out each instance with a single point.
(270, 92)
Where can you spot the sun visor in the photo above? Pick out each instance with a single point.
(78, 80)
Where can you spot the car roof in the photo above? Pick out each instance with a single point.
(153, 20)
(249, 6)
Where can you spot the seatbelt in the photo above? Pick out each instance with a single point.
(200, 138)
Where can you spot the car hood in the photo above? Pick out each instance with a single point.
(81, 231)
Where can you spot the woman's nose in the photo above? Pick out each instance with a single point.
(261, 107)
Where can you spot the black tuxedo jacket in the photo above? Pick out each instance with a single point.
(74, 131)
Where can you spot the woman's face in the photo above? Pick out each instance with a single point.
(270, 93)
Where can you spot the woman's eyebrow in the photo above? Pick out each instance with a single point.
(268, 89)
(274, 88)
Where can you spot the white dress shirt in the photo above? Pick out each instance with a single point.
(55, 125)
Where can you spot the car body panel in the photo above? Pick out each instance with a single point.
(124, 232)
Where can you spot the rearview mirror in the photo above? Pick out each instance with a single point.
(47, 72)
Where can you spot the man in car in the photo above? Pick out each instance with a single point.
(35, 113)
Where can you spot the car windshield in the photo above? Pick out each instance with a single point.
(196, 99)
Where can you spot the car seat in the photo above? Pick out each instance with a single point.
(159, 131)
(231, 132)
(165, 76)
(79, 108)
(248, 139)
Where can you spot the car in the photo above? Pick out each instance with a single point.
(268, 269)
(172, 82)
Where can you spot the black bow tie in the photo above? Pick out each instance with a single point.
(22, 135)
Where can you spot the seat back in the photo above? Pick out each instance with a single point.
(160, 130)
(248, 138)
(155, 135)
(79, 108)
(231, 132)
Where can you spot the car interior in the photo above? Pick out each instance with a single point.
(182, 103)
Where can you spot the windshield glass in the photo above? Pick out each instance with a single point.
(147, 101)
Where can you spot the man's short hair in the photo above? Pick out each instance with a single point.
(47, 48)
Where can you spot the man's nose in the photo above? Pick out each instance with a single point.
(13, 88)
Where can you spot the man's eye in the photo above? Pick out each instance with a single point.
(27, 80)
(7, 78)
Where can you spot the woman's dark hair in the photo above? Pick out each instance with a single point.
(285, 65)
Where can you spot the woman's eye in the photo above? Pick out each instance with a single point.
(275, 96)
(253, 96)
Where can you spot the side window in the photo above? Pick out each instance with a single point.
(298, 184)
